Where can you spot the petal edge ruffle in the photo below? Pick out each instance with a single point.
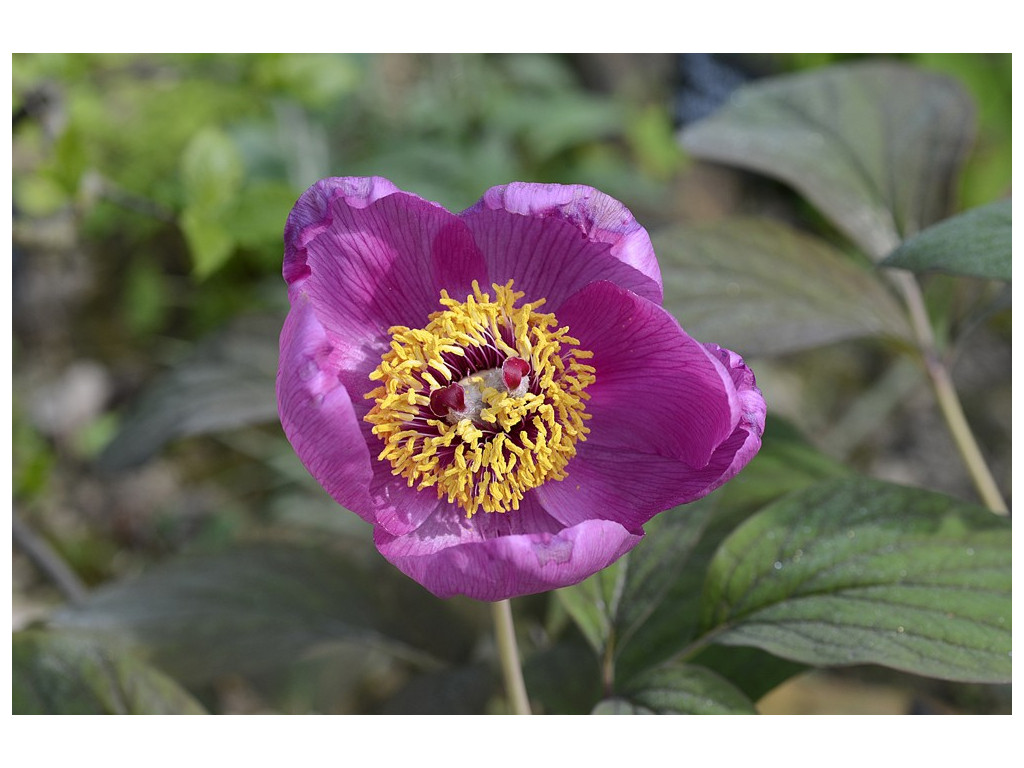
(656, 390)
(553, 239)
(317, 414)
(311, 214)
(513, 565)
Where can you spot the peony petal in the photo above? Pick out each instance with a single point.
(373, 262)
(317, 414)
(630, 488)
(505, 555)
(326, 428)
(400, 509)
(672, 419)
(753, 408)
(311, 216)
(657, 390)
(560, 238)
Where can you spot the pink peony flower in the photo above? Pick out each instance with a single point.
(498, 392)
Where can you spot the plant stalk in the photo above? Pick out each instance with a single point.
(48, 561)
(949, 401)
(508, 651)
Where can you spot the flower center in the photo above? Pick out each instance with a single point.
(484, 403)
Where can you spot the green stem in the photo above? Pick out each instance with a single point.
(508, 651)
(949, 401)
(608, 666)
(47, 560)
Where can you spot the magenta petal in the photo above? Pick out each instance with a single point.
(753, 409)
(504, 555)
(326, 428)
(672, 419)
(554, 239)
(311, 216)
(399, 508)
(317, 414)
(370, 256)
(656, 390)
(630, 487)
(386, 264)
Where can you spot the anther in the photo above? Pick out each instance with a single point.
(496, 432)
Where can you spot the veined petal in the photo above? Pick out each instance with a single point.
(753, 409)
(669, 419)
(657, 390)
(317, 414)
(452, 556)
(400, 509)
(631, 488)
(376, 257)
(553, 239)
(311, 214)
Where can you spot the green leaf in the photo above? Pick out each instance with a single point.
(752, 670)
(316, 79)
(679, 689)
(226, 383)
(39, 196)
(259, 214)
(860, 571)
(211, 171)
(259, 607)
(555, 123)
(613, 604)
(209, 241)
(563, 679)
(786, 462)
(463, 690)
(59, 673)
(594, 603)
(211, 175)
(877, 146)
(762, 288)
(977, 243)
(646, 606)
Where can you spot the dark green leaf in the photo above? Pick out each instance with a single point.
(750, 669)
(594, 603)
(647, 604)
(449, 691)
(563, 680)
(976, 243)
(762, 288)
(786, 462)
(679, 689)
(228, 382)
(877, 146)
(861, 571)
(61, 673)
(260, 607)
(613, 604)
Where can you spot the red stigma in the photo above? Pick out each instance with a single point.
(447, 399)
(513, 370)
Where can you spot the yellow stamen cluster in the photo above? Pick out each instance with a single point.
(515, 442)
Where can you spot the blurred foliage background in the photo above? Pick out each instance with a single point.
(150, 193)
